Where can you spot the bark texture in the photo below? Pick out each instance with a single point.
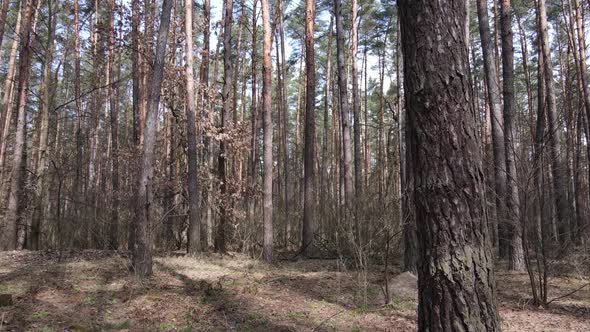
(455, 269)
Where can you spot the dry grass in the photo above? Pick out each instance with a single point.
(93, 291)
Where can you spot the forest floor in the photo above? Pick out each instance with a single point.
(93, 291)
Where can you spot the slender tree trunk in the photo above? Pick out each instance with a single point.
(220, 240)
(358, 168)
(253, 111)
(327, 106)
(114, 110)
(7, 99)
(497, 121)
(515, 255)
(142, 253)
(206, 231)
(309, 213)
(455, 273)
(77, 96)
(558, 168)
(285, 108)
(136, 99)
(268, 146)
(366, 115)
(41, 162)
(194, 227)
(8, 239)
(344, 110)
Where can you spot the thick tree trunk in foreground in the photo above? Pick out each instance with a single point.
(456, 278)
(268, 146)
(194, 227)
(309, 147)
(8, 240)
(142, 252)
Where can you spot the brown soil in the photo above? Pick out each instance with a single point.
(93, 291)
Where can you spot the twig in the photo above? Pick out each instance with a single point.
(568, 294)
(327, 319)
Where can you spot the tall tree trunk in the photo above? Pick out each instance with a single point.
(497, 121)
(583, 80)
(327, 106)
(220, 240)
(285, 108)
(137, 98)
(41, 159)
(7, 99)
(308, 227)
(253, 111)
(142, 253)
(455, 273)
(366, 153)
(114, 110)
(78, 98)
(268, 146)
(558, 168)
(356, 104)
(203, 100)
(194, 227)
(344, 110)
(408, 210)
(8, 239)
(515, 255)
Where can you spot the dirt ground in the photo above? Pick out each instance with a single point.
(93, 291)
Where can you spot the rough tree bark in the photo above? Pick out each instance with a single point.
(455, 269)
